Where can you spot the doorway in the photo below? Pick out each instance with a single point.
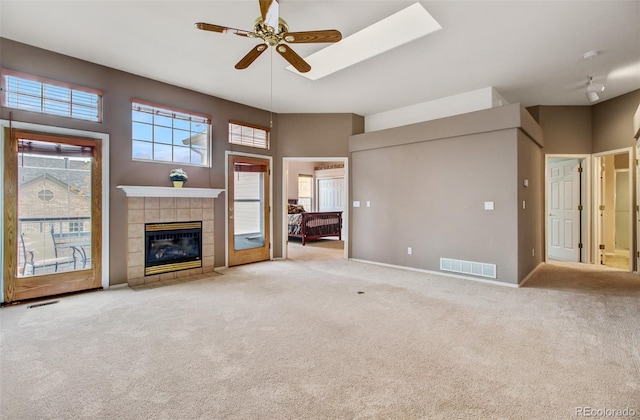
(52, 219)
(328, 178)
(567, 212)
(248, 209)
(614, 209)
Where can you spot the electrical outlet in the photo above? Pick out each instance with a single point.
(409, 250)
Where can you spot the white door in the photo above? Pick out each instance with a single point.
(563, 216)
(330, 194)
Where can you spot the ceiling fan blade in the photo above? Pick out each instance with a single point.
(270, 13)
(251, 56)
(221, 29)
(293, 58)
(330, 35)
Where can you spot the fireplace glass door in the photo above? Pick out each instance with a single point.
(248, 210)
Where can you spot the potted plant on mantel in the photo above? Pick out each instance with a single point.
(178, 176)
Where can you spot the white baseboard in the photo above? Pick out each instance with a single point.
(440, 273)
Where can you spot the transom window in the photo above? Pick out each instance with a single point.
(169, 135)
(248, 135)
(37, 94)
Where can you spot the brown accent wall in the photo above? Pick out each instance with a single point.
(302, 135)
(602, 127)
(567, 129)
(427, 184)
(314, 136)
(613, 122)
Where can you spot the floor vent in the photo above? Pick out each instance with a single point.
(37, 305)
(468, 267)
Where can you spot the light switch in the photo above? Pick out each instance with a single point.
(356, 204)
(488, 205)
(368, 203)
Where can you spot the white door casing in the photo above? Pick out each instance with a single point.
(563, 215)
(637, 213)
(622, 207)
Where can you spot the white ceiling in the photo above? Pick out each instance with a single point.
(530, 51)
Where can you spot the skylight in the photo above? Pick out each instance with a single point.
(391, 32)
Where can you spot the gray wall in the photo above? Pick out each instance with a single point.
(530, 218)
(428, 182)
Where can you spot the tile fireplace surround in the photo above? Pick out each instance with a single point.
(161, 205)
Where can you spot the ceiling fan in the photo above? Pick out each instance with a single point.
(273, 30)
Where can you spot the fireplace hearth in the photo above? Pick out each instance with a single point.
(172, 247)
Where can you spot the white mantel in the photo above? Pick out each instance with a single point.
(143, 191)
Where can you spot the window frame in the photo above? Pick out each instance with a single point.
(249, 143)
(171, 112)
(5, 74)
(310, 180)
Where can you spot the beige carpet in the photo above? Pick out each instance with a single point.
(298, 339)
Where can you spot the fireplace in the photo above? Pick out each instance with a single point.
(172, 247)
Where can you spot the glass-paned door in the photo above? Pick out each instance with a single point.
(248, 196)
(56, 214)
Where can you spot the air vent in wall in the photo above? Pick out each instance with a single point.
(468, 267)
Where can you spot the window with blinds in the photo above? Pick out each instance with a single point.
(250, 135)
(37, 94)
(169, 135)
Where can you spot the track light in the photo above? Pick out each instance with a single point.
(592, 96)
(593, 89)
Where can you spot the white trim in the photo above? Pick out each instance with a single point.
(596, 158)
(285, 185)
(440, 273)
(104, 137)
(2, 207)
(228, 153)
(144, 191)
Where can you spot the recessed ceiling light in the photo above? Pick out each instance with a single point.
(400, 28)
